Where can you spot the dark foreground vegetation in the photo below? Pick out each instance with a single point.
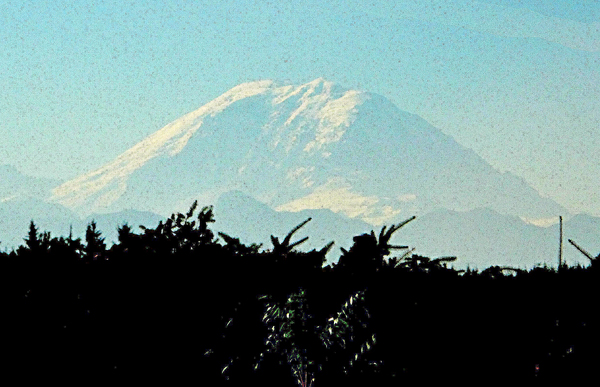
(178, 304)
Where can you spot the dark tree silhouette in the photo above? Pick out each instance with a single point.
(32, 241)
(152, 305)
(94, 243)
(368, 252)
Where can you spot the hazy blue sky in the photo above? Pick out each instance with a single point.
(517, 81)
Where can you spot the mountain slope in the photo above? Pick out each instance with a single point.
(14, 184)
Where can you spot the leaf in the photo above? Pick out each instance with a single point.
(582, 250)
(405, 222)
(326, 248)
(297, 243)
(288, 237)
(444, 259)
(275, 241)
(381, 234)
(192, 209)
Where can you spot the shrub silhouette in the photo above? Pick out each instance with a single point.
(368, 252)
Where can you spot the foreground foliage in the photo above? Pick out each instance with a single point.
(179, 303)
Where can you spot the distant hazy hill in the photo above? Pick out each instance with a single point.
(482, 237)
(478, 238)
(23, 201)
(14, 184)
(15, 216)
(243, 217)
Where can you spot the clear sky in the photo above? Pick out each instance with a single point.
(516, 81)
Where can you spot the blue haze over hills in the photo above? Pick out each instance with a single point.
(269, 155)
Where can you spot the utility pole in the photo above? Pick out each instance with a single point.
(560, 249)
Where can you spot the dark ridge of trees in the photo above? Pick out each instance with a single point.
(178, 303)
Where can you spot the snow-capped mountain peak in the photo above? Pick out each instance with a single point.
(298, 147)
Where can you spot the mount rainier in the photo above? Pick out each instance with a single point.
(312, 146)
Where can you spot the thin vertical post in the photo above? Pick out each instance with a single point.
(560, 249)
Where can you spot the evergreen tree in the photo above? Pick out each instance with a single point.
(95, 246)
(33, 240)
(74, 245)
(125, 234)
